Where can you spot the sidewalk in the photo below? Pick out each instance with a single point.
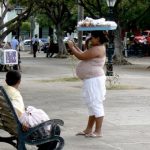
(127, 120)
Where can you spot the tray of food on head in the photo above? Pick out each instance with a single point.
(90, 24)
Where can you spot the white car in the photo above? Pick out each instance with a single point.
(26, 45)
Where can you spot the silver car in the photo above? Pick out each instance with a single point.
(26, 45)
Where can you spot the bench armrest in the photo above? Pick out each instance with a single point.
(46, 140)
(44, 124)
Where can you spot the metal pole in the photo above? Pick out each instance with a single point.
(18, 33)
(110, 51)
(32, 26)
(80, 17)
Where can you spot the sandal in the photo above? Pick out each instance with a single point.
(93, 135)
(81, 133)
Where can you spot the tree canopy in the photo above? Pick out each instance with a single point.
(12, 24)
(62, 14)
(129, 13)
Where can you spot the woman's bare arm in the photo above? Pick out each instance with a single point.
(88, 54)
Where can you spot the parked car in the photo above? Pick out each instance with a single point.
(45, 45)
(146, 33)
(141, 44)
(140, 39)
(44, 40)
(143, 38)
(26, 45)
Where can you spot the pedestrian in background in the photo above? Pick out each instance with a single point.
(35, 44)
(90, 71)
(15, 45)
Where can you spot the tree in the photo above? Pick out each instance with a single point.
(93, 8)
(129, 14)
(133, 12)
(62, 15)
(126, 13)
(59, 11)
(13, 24)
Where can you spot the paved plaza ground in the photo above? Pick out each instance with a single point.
(127, 106)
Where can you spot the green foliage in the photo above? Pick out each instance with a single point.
(127, 12)
(43, 20)
(62, 12)
(23, 3)
(133, 12)
(25, 26)
(66, 79)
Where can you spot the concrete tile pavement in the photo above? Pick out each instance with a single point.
(126, 123)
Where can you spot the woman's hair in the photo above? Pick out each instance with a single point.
(102, 36)
(12, 77)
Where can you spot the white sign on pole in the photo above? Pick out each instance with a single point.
(8, 56)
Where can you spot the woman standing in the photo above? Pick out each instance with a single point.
(90, 70)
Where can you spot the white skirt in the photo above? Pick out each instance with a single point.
(94, 91)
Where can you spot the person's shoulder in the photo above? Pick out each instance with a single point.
(101, 47)
(98, 47)
(100, 50)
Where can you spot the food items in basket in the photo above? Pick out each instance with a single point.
(89, 22)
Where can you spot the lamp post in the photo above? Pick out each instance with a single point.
(80, 17)
(32, 27)
(18, 10)
(110, 50)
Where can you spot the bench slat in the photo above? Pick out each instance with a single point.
(7, 119)
(8, 123)
(9, 130)
(7, 112)
(3, 103)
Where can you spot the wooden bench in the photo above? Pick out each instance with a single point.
(17, 137)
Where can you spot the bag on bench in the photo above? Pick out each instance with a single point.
(33, 117)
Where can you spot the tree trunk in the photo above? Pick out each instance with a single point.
(61, 46)
(118, 57)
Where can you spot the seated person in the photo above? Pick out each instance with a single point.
(13, 80)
